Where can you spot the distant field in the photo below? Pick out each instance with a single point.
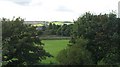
(56, 23)
(38, 24)
(53, 47)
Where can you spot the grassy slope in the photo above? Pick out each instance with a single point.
(53, 47)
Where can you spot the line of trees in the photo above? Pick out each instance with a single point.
(58, 30)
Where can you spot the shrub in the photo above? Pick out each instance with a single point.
(75, 54)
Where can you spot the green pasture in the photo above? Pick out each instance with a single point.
(38, 24)
(53, 47)
(58, 23)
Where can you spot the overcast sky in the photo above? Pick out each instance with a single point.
(54, 10)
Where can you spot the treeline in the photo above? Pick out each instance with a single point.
(58, 30)
(95, 40)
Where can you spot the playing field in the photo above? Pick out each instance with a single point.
(53, 47)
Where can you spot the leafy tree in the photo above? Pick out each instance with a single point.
(50, 26)
(21, 46)
(102, 31)
(103, 35)
(75, 54)
(64, 30)
(51, 29)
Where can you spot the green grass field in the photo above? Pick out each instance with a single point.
(53, 47)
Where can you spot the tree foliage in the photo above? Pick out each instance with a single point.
(64, 30)
(21, 46)
(59, 30)
(103, 35)
(102, 32)
(75, 54)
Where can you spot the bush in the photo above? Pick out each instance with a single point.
(75, 54)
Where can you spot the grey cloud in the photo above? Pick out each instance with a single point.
(64, 9)
(21, 2)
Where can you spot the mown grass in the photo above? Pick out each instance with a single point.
(53, 47)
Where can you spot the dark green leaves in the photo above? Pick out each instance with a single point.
(21, 44)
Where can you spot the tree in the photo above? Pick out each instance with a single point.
(21, 46)
(51, 29)
(76, 54)
(64, 30)
(102, 31)
(103, 35)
